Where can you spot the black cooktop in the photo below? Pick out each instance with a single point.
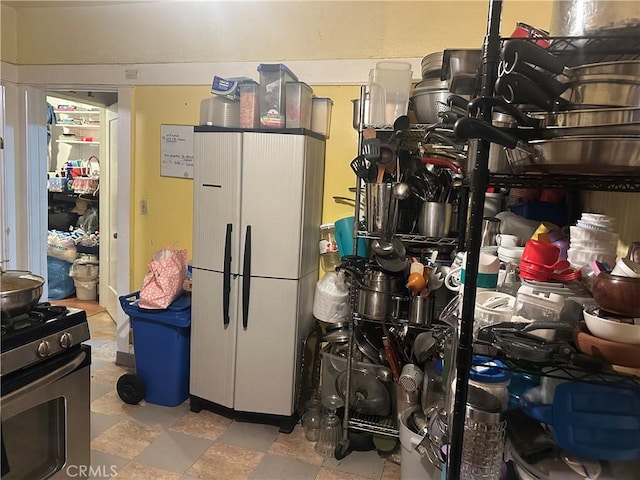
(42, 320)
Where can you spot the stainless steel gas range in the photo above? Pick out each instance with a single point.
(44, 403)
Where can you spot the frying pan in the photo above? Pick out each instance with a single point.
(593, 421)
(544, 125)
(592, 92)
(518, 53)
(595, 154)
(605, 84)
(19, 290)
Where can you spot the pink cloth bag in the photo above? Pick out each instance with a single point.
(163, 282)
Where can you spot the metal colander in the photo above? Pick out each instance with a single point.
(427, 104)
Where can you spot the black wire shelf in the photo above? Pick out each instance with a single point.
(608, 183)
(412, 238)
(386, 426)
(610, 45)
(568, 372)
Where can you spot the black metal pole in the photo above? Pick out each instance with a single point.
(479, 183)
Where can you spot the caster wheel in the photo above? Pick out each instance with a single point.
(131, 389)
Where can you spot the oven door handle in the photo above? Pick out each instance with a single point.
(48, 379)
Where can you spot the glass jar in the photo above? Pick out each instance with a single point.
(328, 435)
(484, 436)
(311, 420)
(328, 246)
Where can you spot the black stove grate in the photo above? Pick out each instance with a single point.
(39, 314)
(42, 320)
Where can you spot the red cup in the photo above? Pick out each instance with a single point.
(543, 255)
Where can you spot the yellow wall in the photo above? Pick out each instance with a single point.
(170, 200)
(9, 42)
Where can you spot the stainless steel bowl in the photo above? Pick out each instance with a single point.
(602, 154)
(428, 103)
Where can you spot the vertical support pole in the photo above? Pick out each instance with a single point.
(479, 183)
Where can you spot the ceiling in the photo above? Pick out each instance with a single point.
(97, 99)
(17, 4)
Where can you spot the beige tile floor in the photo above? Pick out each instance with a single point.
(152, 442)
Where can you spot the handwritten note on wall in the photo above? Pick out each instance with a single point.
(176, 151)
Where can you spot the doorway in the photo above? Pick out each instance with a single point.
(25, 128)
(79, 157)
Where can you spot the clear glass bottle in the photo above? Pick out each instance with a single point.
(328, 246)
(329, 426)
(311, 420)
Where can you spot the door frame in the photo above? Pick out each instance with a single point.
(32, 139)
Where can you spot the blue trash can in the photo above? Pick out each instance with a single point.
(161, 343)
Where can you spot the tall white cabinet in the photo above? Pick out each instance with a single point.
(257, 209)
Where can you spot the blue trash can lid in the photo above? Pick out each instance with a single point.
(177, 315)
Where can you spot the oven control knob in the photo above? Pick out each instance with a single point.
(66, 340)
(43, 349)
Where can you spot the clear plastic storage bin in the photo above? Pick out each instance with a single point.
(321, 115)
(299, 100)
(273, 80)
(249, 105)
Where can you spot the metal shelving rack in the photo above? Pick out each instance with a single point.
(354, 420)
(575, 51)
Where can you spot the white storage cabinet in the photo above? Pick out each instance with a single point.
(257, 208)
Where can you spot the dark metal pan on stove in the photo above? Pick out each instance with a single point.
(20, 290)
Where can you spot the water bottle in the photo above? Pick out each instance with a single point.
(328, 246)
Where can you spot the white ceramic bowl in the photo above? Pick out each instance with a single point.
(577, 233)
(510, 254)
(610, 329)
(579, 258)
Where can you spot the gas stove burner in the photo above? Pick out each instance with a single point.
(37, 334)
(40, 313)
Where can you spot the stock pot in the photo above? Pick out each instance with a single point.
(380, 296)
(19, 290)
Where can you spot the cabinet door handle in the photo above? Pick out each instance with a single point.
(226, 281)
(246, 278)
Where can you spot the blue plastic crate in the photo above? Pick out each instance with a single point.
(161, 342)
(556, 213)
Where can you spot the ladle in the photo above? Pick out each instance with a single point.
(401, 190)
(400, 125)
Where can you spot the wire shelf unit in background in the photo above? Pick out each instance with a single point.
(610, 183)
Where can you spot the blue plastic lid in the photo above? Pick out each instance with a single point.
(488, 370)
(438, 366)
(178, 314)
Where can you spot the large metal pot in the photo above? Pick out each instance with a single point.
(572, 18)
(381, 282)
(19, 290)
(379, 298)
(381, 305)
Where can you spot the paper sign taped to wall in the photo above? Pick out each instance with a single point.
(176, 151)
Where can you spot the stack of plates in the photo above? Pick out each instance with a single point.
(226, 112)
(593, 238)
(220, 111)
